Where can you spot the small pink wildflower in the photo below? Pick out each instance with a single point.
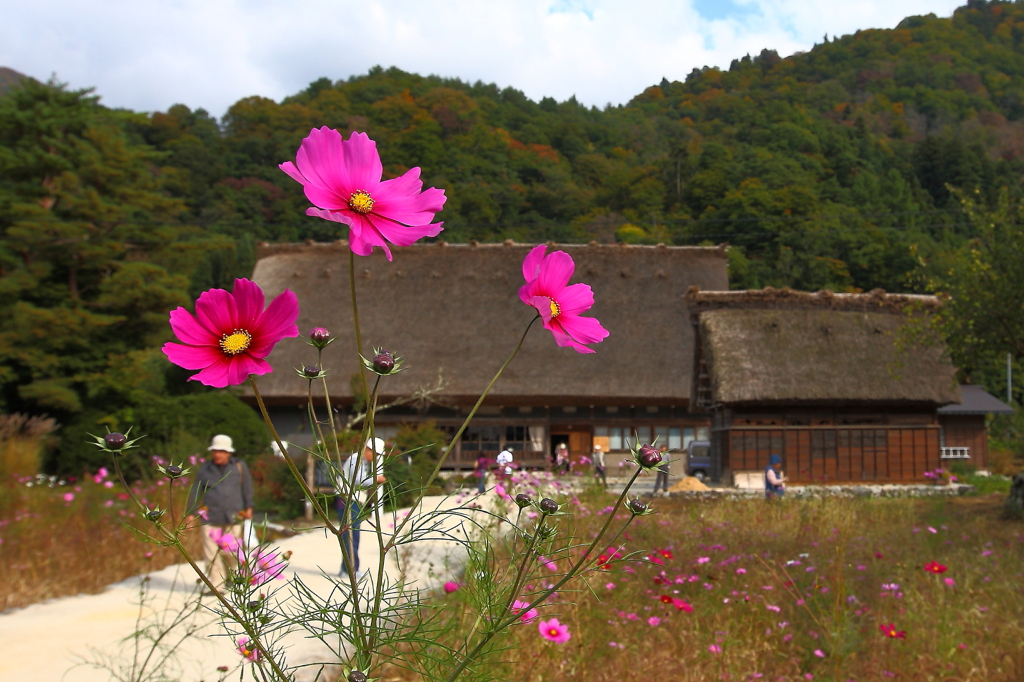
(69, 497)
(654, 621)
(949, 582)
(527, 616)
(451, 586)
(741, 571)
(715, 649)
(819, 653)
(703, 560)
(609, 586)
(553, 631)
(248, 650)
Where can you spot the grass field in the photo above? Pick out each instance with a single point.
(828, 589)
(60, 538)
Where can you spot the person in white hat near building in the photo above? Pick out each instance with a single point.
(356, 480)
(221, 495)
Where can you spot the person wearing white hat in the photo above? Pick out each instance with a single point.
(599, 464)
(221, 495)
(356, 480)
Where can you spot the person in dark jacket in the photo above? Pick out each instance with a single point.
(221, 495)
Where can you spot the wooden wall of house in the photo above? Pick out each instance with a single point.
(967, 431)
(820, 454)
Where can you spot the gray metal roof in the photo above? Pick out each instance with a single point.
(977, 401)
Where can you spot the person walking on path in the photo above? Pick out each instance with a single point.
(221, 495)
(482, 465)
(562, 463)
(599, 465)
(662, 479)
(774, 481)
(359, 475)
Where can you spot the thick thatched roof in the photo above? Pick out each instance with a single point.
(456, 309)
(791, 347)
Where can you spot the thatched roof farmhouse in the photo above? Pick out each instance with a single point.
(845, 387)
(453, 311)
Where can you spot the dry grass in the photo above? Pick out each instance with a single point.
(791, 591)
(22, 441)
(53, 547)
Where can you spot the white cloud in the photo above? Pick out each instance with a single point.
(149, 54)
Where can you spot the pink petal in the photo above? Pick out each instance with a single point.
(275, 323)
(362, 163)
(214, 375)
(555, 272)
(543, 306)
(531, 265)
(402, 201)
(289, 168)
(363, 238)
(216, 311)
(566, 341)
(321, 161)
(583, 329)
(576, 299)
(192, 357)
(188, 330)
(248, 303)
(403, 235)
(528, 292)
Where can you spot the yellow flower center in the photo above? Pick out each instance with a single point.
(360, 201)
(235, 342)
(556, 310)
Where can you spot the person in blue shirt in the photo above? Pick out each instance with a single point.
(774, 481)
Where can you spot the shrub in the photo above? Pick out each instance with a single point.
(175, 427)
(420, 446)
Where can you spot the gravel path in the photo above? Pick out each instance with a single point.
(49, 642)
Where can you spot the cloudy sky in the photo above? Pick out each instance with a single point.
(149, 54)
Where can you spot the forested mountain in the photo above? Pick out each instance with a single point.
(825, 169)
(830, 168)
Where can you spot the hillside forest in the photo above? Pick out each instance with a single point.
(885, 159)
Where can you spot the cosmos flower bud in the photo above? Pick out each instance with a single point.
(383, 362)
(319, 337)
(523, 500)
(636, 506)
(311, 371)
(173, 471)
(649, 456)
(115, 440)
(548, 506)
(356, 676)
(153, 514)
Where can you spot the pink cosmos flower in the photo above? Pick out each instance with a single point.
(451, 586)
(715, 649)
(69, 497)
(343, 178)
(261, 566)
(654, 621)
(224, 540)
(949, 582)
(547, 563)
(682, 605)
(231, 333)
(553, 631)
(819, 653)
(559, 305)
(500, 491)
(248, 650)
(528, 615)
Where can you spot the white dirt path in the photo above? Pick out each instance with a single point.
(47, 642)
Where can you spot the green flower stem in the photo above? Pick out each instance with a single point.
(573, 570)
(288, 458)
(458, 434)
(176, 541)
(348, 492)
(520, 576)
(355, 316)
